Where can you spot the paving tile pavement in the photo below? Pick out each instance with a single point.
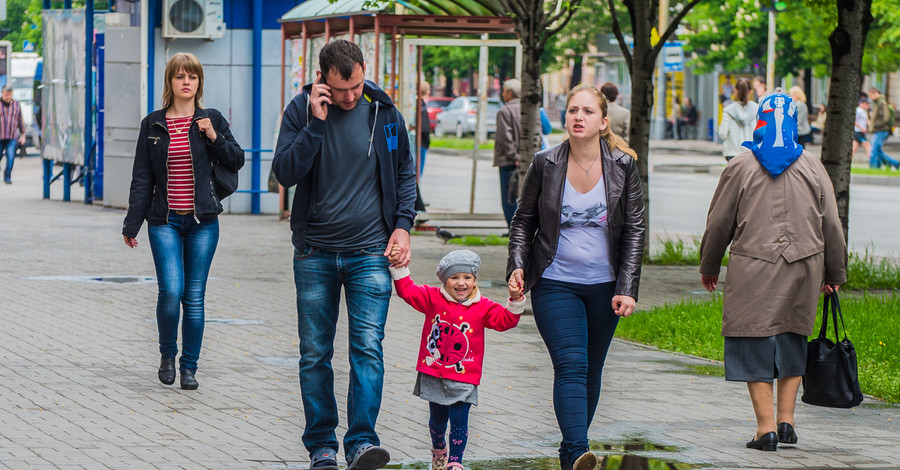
(78, 365)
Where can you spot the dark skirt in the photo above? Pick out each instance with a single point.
(765, 359)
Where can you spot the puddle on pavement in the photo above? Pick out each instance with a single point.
(607, 462)
(98, 279)
(222, 321)
(713, 369)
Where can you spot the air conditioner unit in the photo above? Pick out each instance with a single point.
(197, 19)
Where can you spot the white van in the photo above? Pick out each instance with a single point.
(21, 77)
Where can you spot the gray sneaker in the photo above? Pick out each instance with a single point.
(368, 457)
(323, 459)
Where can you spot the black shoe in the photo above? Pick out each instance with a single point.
(188, 382)
(167, 370)
(768, 441)
(369, 457)
(786, 434)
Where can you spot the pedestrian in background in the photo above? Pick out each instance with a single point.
(345, 146)
(506, 143)
(759, 88)
(619, 116)
(576, 243)
(775, 206)
(172, 188)
(690, 119)
(12, 130)
(804, 131)
(817, 127)
(738, 121)
(860, 128)
(881, 130)
(424, 126)
(452, 347)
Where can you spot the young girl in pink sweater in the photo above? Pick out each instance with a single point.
(451, 352)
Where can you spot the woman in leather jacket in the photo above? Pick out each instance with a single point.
(576, 242)
(173, 189)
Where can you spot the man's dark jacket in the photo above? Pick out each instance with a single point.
(300, 143)
(148, 198)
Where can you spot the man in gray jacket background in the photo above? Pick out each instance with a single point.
(506, 143)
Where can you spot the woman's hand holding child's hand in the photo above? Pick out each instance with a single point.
(516, 285)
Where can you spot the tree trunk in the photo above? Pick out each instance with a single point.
(532, 96)
(847, 43)
(575, 79)
(643, 64)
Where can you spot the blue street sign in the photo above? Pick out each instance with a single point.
(673, 56)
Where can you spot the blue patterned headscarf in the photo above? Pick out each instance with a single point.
(774, 141)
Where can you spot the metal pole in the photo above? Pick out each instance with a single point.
(48, 164)
(88, 98)
(151, 50)
(101, 114)
(660, 105)
(770, 53)
(255, 170)
(479, 120)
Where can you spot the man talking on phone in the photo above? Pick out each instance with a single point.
(344, 145)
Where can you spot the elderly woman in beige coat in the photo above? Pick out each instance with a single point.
(775, 205)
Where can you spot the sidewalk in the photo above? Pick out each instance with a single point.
(78, 361)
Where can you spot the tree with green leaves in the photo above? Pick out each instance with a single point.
(23, 19)
(643, 16)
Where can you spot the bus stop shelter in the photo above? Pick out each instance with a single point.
(391, 38)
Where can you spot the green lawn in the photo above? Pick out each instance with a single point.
(864, 170)
(695, 328)
(466, 143)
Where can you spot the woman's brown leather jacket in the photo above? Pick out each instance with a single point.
(534, 233)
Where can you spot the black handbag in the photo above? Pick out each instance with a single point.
(225, 180)
(831, 374)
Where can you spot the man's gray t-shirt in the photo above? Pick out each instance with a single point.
(346, 208)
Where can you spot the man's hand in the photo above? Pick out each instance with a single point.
(709, 282)
(131, 242)
(623, 305)
(320, 98)
(398, 248)
(830, 288)
(22, 139)
(516, 284)
(206, 127)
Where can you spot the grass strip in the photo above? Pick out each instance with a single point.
(474, 240)
(466, 143)
(694, 327)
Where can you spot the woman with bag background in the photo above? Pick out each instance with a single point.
(775, 205)
(173, 188)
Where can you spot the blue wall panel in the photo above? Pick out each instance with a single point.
(239, 13)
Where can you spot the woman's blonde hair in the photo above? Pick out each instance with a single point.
(614, 141)
(189, 63)
(797, 93)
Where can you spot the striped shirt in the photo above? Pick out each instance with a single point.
(11, 125)
(179, 166)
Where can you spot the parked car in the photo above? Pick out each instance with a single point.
(458, 117)
(435, 105)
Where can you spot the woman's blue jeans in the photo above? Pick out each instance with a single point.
(577, 323)
(182, 252)
(319, 276)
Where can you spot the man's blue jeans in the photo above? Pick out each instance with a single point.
(878, 157)
(8, 148)
(577, 324)
(182, 252)
(509, 208)
(319, 276)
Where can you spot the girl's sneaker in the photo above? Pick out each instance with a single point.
(439, 459)
(455, 466)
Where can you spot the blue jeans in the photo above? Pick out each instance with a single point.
(182, 252)
(319, 276)
(8, 148)
(422, 152)
(878, 157)
(577, 324)
(509, 208)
